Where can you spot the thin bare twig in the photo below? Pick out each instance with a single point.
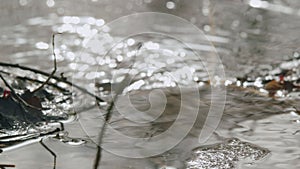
(17, 98)
(3, 166)
(54, 65)
(109, 113)
(53, 77)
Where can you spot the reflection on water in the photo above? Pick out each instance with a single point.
(256, 40)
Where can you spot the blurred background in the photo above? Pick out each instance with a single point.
(255, 40)
(264, 31)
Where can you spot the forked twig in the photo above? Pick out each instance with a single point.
(16, 96)
(53, 77)
(18, 99)
(109, 113)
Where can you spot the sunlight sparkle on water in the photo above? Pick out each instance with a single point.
(100, 22)
(130, 41)
(50, 3)
(91, 20)
(170, 5)
(228, 82)
(42, 45)
(258, 4)
(150, 45)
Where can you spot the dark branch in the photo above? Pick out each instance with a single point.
(53, 77)
(109, 112)
(51, 152)
(54, 65)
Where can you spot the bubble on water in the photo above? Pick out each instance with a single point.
(41, 45)
(130, 42)
(296, 54)
(100, 22)
(143, 74)
(120, 58)
(112, 65)
(50, 3)
(170, 5)
(182, 54)
(206, 28)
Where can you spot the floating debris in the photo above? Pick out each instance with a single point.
(225, 155)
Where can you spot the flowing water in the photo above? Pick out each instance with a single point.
(256, 41)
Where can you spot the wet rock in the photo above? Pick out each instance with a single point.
(225, 155)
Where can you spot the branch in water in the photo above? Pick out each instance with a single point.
(59, 79)
(108, 115)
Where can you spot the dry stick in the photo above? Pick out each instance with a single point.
(54, 63)
(53, 77)
(38, 81)
(3, 166)
(18, 99)
(51, 152)
(16, 96)
(109, 114)
(50, 76)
